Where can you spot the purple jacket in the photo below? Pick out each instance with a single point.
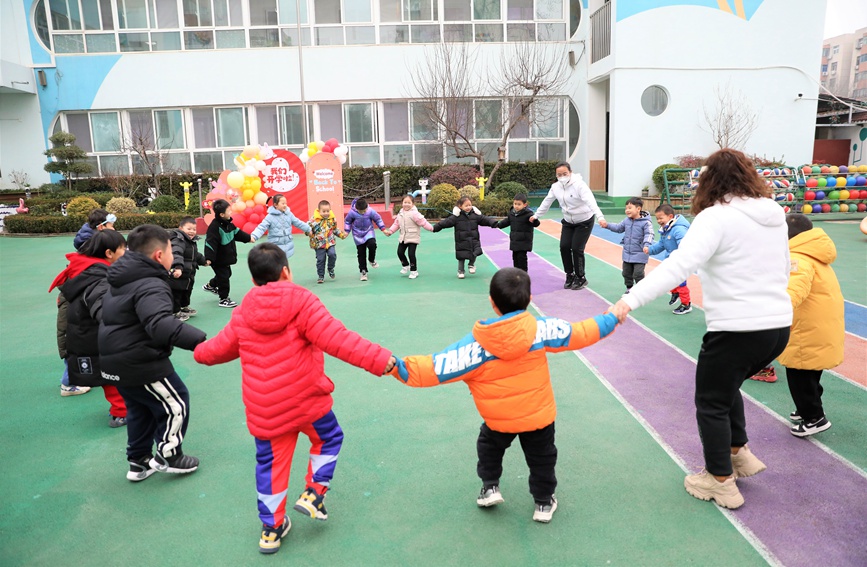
(360, 225)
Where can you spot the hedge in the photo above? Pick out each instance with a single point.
(54, 224)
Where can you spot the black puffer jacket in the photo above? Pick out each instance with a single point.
(220, 240)
(521, 235)
(187, 258)
(84, 293)
(468, 244)
(138, 329)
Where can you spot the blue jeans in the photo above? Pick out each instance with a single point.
(321, 253)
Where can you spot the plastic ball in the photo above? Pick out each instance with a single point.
(844, 195)
(802, 183)
(851, 181)
(807, 209)
(809, 195)
(825, 169)
(790, 197)
(806, 170)
(779, 196)
(835, 208)
(826, 208)
(786, 171)
(820, 195)
(834, 169)
(841, 182)
(834, 195)
(815, 169)
(861, 208)
(862, 169)
(861, 195)
(786, 209)
(766, 172)
(823, 182)
(861, 181)
(785, 183)
(812, 183)
(844, 208)
(844, 169)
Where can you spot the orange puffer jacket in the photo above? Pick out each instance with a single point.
(280, 331)
(505, 365)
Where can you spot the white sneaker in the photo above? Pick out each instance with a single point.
(489, 496)
(746, 464)
(544, 512)
(404, 270)
(374, 265)
(363, 276)
(472, 269)
(413, 275)
(705, 487)
(73, 390)
(461, 275)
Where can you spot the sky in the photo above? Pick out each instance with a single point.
(845, 16)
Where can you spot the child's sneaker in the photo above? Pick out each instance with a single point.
(312, 504)
(227, 303)
(179, 464)
(570, 279)
(795, 416)
(765, 375)
(374, 265)
(579, 283)
(363, 276)
(320, 280)
(73, 390)
(489, 496)
(181, 316)
(189, 311)
(805, 429)
(404, 270)
(683, 309)
(114, 421)
(674, 297)
(461, 275)
(413, 275)
(269, 542)
(140, 469)
(746, 464)
(705, 487)
(544, 512)
(472, 269)
(331, 274)
(207, 287)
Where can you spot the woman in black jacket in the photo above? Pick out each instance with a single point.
(465, 219)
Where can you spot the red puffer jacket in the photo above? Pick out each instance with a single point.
(280, 331)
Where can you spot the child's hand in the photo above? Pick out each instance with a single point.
(391, 362)
(343, 236)
(207, 262)
(620, 310)
(176, 273)
(646, 250)
(533, 218)
(603, 223)
(252, 239)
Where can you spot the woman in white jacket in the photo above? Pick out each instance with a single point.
(579, 210)
(738, 242)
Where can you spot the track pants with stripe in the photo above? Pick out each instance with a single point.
(274, 461)
(156, 413)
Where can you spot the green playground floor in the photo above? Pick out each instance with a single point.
(405, 486)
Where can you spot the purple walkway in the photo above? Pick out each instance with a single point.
(808, 508)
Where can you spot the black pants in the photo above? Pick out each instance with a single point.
(519, 259)
(181, 297)
(365, 251)
(322, 254)
(222, 274)
(573, 240)
(539, 451)
(806, 392)
(405, 248)
(461, 263)
(632, 273)
(727, 359)
(156, 413)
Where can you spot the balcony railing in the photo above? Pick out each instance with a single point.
(600, 33)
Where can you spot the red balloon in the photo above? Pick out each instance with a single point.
(249, 227)
(254, 218)
(332, 142)
(329, 149)
(259, 210)
(239, 220)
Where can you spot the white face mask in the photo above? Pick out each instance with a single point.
(564, 179)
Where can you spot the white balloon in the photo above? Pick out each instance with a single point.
(341, 150)
(304, 157)
(260, 165)
(341, 159)
(249, 171)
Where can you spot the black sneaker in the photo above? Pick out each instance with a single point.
(489, 496)
(331, 274)
(683, 309)
(140, 469)
(569, 279)
(207, 287)
(269, 542)
(320, 280)
(116, 421)
(189, 311)
(312, 504)
(179, 464)
(579, 283)
(795, 416)
(805, 429)
(674, 297)
(227, 303)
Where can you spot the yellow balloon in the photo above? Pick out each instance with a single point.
(312, 146)
(256, 184)
(311, 152)
(235, 179)
(247, 194)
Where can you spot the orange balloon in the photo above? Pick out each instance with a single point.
(239, 206)
(260, 198)
(250, 203)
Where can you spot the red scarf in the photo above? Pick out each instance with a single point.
(77, 264)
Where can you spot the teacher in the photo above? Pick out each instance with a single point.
(738, 242)
(579, 210)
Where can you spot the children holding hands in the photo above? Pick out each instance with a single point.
(523, 222)
(278, 223)
(323, 229)
(221, 252)
(465, 219)
(637, 236)
(672, 229)
(409, 223)
(360, 222)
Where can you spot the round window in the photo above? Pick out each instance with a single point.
(654, 100)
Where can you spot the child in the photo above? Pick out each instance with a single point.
(521, 234)
(818, 328)
(280, 333)
(409, 222)
(84, 284)
(672, 229)
(187, 260)
(323, 228)
(97, 220)
(637, 235)
(359, 222)
(279, 222)
(220, 251)
(505, 365)
(136, 336)
(465, 219)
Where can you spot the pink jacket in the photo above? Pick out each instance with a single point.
(409, 223)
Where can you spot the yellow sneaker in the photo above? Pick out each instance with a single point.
(269, 542)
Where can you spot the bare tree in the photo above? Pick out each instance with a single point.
(466, 97)
(141, 142)
(731, 121)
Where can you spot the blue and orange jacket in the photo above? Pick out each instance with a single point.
(505, 365)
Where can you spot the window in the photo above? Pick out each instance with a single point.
(423, 128)
(396, 118)
(78, 126)
(549, 9)
(835, 50)
(204, 134)
(397, 154)
(330, 121)
(522, 151)
(207, 161)
(456, 10)
(357, 11)
(489, 32)
(427, 154)
(231, 129)
(654, 100)
(267, 125)
(519, 9)
(486, 9)
(114, 165)
(489, 121)
(393, 34)
(547, 119)
(825, 52)
(132, 14)
(40, 21)
(420, 10)
(365, 156)
(833, 67)
(425, 34)
(141, 128)
(169, 129)
(327, 11)
(292, 125)
(106, 131)
(825, 69)
(289, 11)
(359, 119)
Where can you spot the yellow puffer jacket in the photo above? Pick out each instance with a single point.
(818, 328)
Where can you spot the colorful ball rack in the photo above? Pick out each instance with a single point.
(833, 189)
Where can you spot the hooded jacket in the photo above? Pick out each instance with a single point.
(521, 234)
(577, 203)
(323, 230)
(279, 226)
(138, 328)
(84, 293)
(670, 236)
(818, 326)
(740, 248)
(280, 331)
(505, 365)
(468, 243)
(220, 240)
(637, 233)
(410, 224)
(361, 225)
(83, 235)
(186, 257)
